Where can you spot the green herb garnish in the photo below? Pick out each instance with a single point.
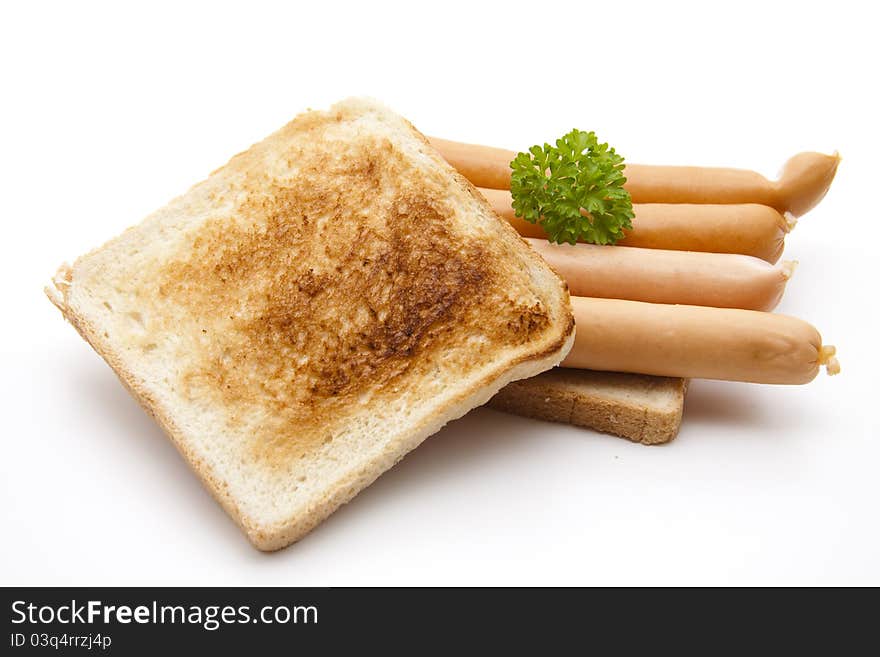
(574, 190)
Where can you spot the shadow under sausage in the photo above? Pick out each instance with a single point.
(743, 405)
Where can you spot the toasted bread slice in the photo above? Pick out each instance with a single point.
(314, 310)
(644, 409)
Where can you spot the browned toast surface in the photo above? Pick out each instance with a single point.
(315, 309)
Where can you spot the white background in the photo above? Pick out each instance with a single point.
(108, 112)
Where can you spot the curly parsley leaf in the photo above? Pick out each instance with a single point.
(574, 190)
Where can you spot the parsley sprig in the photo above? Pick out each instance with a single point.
(573, 190)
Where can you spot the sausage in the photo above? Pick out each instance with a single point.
(696, 342)
(748, 229)
(658, 276)
(803, 181)
(484, 166)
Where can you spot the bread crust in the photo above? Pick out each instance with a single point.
(542, 346)
(641, 408)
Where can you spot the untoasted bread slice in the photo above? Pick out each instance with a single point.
(314, 310)
(644, 409)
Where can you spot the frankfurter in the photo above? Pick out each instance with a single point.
(659, 276)
(696, 342)
(803, 181)
(749, 229)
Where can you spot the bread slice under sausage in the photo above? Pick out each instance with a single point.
(314, 310)
(644, 409)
